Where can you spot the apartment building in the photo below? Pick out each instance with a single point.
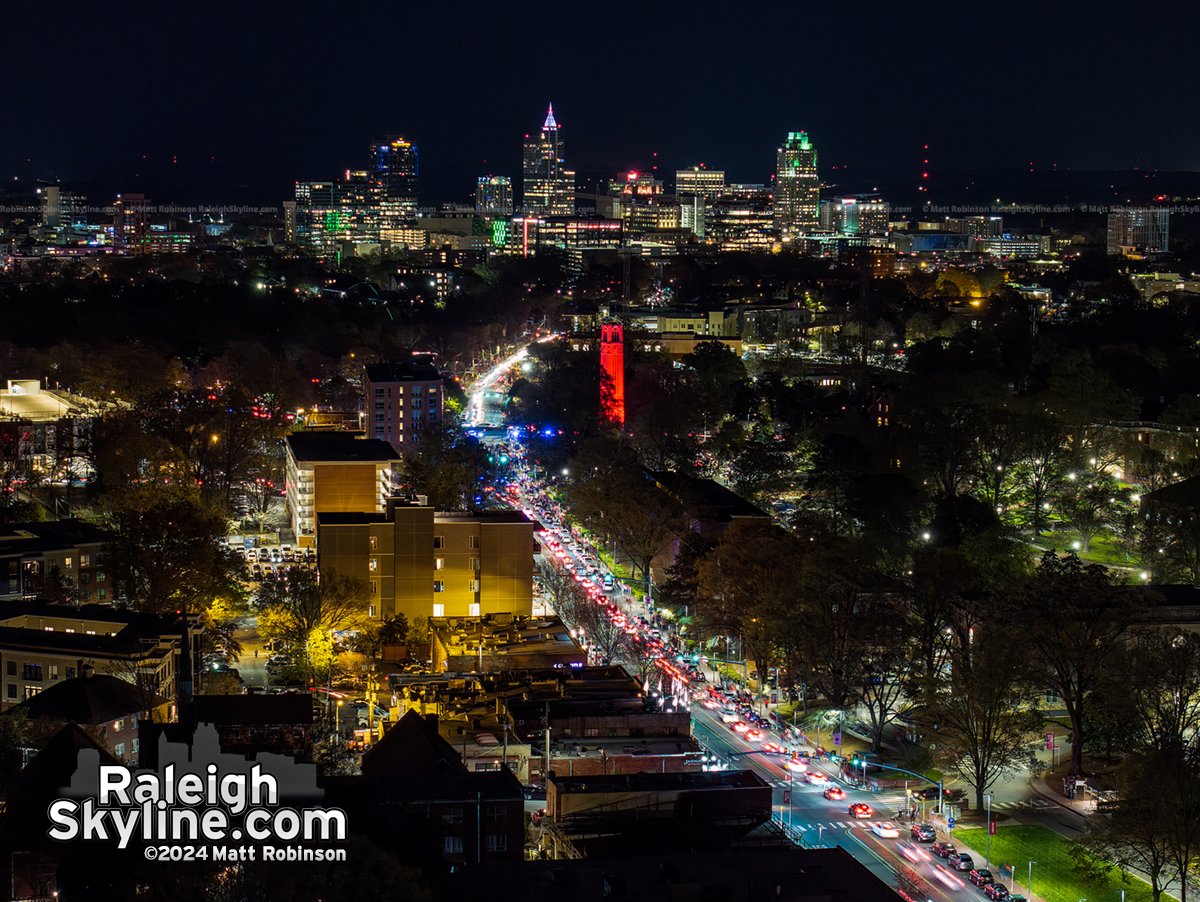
(335, 472)
(420, 562)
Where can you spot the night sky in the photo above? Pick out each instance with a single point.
(258, 94)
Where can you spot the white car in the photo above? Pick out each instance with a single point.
(797, 766)
(886, 830)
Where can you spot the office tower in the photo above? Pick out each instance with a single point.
(330, 213)
(797, 188)
(856, 215)
(63, 210)
(130, 222)
(1133, 231)
(700, 182)
(394, 165)
(548, 187)
(493, 194)
(977, 226)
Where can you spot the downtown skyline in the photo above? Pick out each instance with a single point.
(264, 105)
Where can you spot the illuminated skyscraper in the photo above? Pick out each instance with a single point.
(394, 167)
(797, 187)
(493, 194)
(548, 186)
(1133, 231)
(700, 182)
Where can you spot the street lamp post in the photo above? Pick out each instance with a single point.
(820, 836)
(988, 863)
(1029, 881)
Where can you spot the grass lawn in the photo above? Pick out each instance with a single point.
(1053, 878)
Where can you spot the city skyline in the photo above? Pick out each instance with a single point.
(238, 119)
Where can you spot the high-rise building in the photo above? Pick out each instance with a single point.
(493, 194)
(699, 181)
(1134, 231)
(856, 215)
(394, 165)
(548, 187)
(741, 218)
(330, 213)
(797, 187)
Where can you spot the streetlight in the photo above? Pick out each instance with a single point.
(1029, 882)
(339, 719)
(820, 836)
(988, 863)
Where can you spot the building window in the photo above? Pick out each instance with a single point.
(439, 586)
(135, 746)
(370, 610)
(452, 816)
(439, 610)
(12, 690)
(439, 563)
(33, 673)
(67, 563)
(118, 725)
(100, 577)
(102, 593)
(372, 541)
(119, 749)
(12, 668)
(453, 844)
(439, 542)
(85, 560)
(475, 564)
(379, 405)
(497, 814)
(31, 691)
(373, 564)
(497, 843)
(53, 671)
(473, 610)
(591, 732)
(85, 578)
(474, 541)
(70, 673)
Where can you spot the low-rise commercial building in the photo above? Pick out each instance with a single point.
(502, 642)
(63, 560)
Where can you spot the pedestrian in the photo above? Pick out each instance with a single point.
(256, 654)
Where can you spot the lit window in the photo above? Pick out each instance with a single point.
(439, 586)
(453, 844)
(473, 610)
(439, 563)
(373, 565)
(119, 749)
(439, 610)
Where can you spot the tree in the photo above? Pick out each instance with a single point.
(1090, 504)
(1162, 678)
(1151, 826)
(982, 715)
(450, 468)
(719, 369)
(169, 552)
(1074, 619)
(303, 606)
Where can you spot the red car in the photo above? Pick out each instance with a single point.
(860, 809)
(836, 793)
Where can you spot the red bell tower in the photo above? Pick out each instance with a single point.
(612, 362)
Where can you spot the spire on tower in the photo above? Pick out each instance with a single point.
(550, 123)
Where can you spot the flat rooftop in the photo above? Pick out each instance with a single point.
(335, 447)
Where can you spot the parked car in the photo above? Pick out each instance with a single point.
(535, 792)
(943, 849)
(961, 861)
(980, 877)
(923, 832)
(998, 892)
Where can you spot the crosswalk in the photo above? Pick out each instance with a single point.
(893, 801)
